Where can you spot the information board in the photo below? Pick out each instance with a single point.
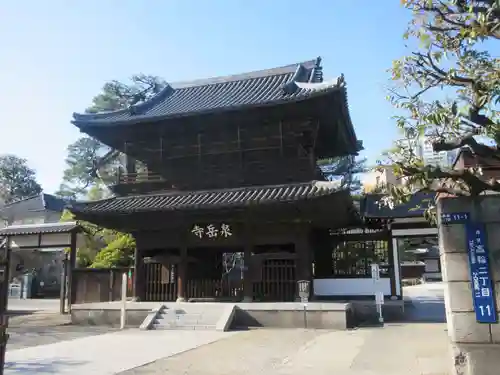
(482, 285)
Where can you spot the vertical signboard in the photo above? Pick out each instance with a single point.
(483, 294)
(482, 285)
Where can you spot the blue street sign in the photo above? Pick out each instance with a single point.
(455, 218)
(482, 285)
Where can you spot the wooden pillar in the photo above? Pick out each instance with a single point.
(182, 275)
(392, 265)
(247, 279)
(71, 274)
(247, 255)
(64, 284)
(303, 265)
(139, 276)
(130, 168)
(4, 298)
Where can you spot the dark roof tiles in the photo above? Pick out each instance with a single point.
(209, 199)
(273, 86)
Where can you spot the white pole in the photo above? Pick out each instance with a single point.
(124, 300)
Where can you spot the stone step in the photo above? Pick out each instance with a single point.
(186, 327)
(189, 317)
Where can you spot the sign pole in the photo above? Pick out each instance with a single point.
(303, 286)
(305, 315)
(124, 301)
(379, 296)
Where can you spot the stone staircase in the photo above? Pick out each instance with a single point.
(192, 316)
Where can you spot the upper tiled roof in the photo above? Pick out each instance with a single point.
(209, 199)
(273, 86)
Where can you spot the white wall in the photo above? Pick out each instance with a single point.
(350, 287)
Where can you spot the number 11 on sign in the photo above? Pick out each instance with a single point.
(485, 310)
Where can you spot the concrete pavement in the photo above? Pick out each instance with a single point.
(397, 349)
(425, 303)
(406, 349)
(106, 354)
(31, 305)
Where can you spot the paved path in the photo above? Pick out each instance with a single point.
(105, 354)
(425, 303)
(37, 304)
(416, 349)
(396, 349)
(405, 349)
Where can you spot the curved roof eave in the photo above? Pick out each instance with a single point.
(142, 119)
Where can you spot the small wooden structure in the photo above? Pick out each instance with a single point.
(31, 237)
(230, 203)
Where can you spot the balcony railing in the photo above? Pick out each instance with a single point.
(139, 177)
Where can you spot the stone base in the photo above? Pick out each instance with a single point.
(180, 299)
(476, 359)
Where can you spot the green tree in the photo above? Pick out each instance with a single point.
(89, 168)
(446, 89)
(90, 162)
(101, 247)
(345, 168)
(17, 179)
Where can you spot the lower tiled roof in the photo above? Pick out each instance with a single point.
(255, 195)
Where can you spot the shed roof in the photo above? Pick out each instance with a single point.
(289, 83)
(49, 228)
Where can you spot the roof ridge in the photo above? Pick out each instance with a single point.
(285, 69)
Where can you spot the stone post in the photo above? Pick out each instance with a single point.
(475, 346)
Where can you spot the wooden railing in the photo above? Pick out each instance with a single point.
(139, 177)
(218, 289)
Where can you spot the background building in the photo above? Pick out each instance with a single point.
(40, 267)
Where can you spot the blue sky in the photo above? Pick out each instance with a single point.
(56, 55)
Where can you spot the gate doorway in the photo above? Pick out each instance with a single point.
(161, 282)
(277, 281)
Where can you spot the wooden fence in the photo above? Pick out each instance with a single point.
(100, 284)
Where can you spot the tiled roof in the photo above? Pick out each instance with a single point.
(414, 208)
(18, 230)
(209, 199)
(273, 86)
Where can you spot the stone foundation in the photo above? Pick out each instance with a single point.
(272, 315)
(107, 317)
(340, 318)
(476, 346)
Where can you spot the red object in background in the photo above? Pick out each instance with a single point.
(129, 280)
